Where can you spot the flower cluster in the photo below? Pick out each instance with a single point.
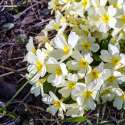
(84, 64)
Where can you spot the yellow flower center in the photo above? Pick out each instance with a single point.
(85, 3)
(66, 1)
(66, 49)
(111, 79)
(86, 46)
(56, 26)
(117, 5)
(58, 71)
(105, 18)
(83, 63)
(123, 97)
(56, 104)
(116, 60)
(39, 65)
(87, 94)
(33, 50)
(122, 19)
(63, 20)
(71, 85)
(95, 74)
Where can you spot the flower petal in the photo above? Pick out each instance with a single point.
(73, 39)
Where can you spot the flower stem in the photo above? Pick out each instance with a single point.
(16, 94)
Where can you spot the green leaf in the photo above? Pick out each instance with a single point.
(3, 113)
(104, 44)
(122, 45)
(68, 100)
(48, 87)
(76, 119)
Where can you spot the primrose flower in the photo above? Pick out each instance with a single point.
(71, 86)
(119, 101)
(87, 45)
(107, 94)
(81, 63)
(95, 74)
(106, 19)
(59, 23)
(56, 105)
(113, 57)
(57, 72)
(37, 87)
(86, 96)
(37, 63)
(63, 47)
(113, 78)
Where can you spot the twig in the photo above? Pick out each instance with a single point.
(12, 72)
(98, 115)
(7, 68)
(103, 110)
(41, 23)
(16, 58)
(22, 102)
(105, 122)
(9, 6)
(1, 2)
(49, 120)
(122, 114)
(22, 13)
(34, 11)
